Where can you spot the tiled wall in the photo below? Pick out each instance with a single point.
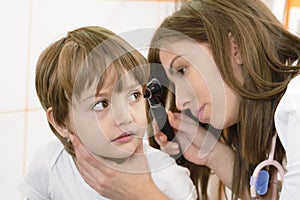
(27, 27)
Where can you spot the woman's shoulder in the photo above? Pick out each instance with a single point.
(291, 98)
(292, 94)
(294, 85)
(288, 110)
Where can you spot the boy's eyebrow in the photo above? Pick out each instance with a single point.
(93, 96)
(132, 86)
(88, 97)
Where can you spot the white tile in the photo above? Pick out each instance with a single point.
(14, 20)
(11, 153)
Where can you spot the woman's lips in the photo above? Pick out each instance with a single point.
(124, 137)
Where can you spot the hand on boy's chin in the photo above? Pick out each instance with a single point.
(135, 163)
(124, 156)
(119, 160)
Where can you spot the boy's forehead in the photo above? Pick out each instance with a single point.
(112, 81)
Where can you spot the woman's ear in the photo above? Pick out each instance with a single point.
(235, 50)
(61, 129)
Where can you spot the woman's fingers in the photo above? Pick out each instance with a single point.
(171, 148)
(88, 166)
(186, 126)
(183, 123)
(195, 141)
(89, 162)
(110, 179)
(161, 139)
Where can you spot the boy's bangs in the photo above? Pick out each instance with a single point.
(130, 64)
(92, 68)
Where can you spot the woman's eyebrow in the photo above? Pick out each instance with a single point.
(172, 61)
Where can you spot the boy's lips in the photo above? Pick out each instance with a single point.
(124, 137)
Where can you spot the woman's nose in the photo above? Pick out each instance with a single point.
(181, 103)
(181, 98)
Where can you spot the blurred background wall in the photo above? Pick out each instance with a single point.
(27, 27)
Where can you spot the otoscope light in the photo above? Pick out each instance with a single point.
(153, 91)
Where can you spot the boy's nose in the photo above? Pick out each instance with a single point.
(121, 115)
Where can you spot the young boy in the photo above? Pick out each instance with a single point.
(90, 84)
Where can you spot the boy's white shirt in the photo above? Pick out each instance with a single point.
(53, 175)
(287, 122)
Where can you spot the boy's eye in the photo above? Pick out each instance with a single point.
(134, 96)
(101, 105)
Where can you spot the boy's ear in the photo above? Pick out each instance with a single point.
(235, 50)
(61, 129)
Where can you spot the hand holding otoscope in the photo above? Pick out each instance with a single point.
(154, 94)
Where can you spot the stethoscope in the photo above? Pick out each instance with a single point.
(260, 178)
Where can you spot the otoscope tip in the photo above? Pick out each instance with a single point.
(147, 93)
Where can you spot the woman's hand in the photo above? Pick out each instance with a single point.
(198, 146)
(129, 180)
(195, 142)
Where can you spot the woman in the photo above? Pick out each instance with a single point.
(231, 63)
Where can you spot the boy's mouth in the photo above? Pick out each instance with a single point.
(124, 137)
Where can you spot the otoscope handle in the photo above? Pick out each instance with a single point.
(153, 93)
(160, 115)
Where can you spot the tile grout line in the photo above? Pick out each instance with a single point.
(20, 111)
(27, 90)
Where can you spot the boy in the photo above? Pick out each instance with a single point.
(90, 84)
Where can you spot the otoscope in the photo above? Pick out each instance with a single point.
(153, 93)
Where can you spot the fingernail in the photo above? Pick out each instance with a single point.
(71, 138)
(170, 115)
(161, 138)
(174, 145)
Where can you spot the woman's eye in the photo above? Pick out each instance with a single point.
(101, 105)
(182, 70)
(135, 96)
